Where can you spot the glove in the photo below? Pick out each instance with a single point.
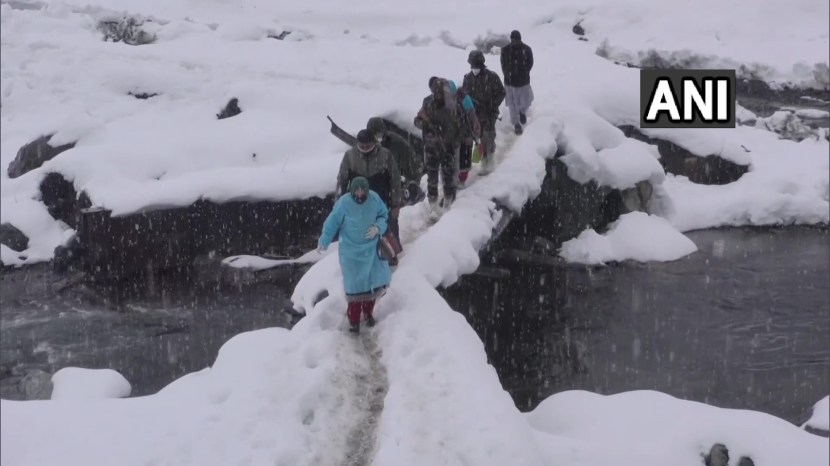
(321, 249)
(372, 231)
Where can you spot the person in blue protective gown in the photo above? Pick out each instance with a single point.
(360, 218)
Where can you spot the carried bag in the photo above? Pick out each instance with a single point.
(388, 246)
(478, 152)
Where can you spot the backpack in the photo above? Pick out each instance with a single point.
(464, 100)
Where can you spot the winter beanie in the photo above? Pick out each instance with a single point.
(476, 58)
(358, 182)
(364, 136)
(376, 126)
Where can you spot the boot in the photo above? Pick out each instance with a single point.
(487, 165)
(446, 203)
(518, 129)
(370, 321)
(522, 118)
(354, 328)
(433, 209)
(462, 178)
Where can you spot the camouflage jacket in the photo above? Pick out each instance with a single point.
(440, 123)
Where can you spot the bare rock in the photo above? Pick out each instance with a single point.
(281, 36)
(708, 169)
(36, 385)
(231, 109)
(142, 95)
(61, 199)
(637, 199)
(718, 456)
(35, 154)
(13, 238)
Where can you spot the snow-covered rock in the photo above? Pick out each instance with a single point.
(76, 383)
(820, 418)
(635, 236)
(788, 125)
(681, 432)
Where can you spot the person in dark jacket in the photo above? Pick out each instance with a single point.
(516, 63)
(439, 120)
(410, 165)
(487, 91)
(376, 164)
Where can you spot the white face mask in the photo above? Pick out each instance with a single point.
(476, 71)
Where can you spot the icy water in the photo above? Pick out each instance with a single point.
(151, 343)
(743, 323)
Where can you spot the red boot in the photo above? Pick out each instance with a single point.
(462, 177)
(353, 313)
(368, 308)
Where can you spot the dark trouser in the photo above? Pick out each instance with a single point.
(392, 222)
(465, 160)
(359, 307)
(444, 158)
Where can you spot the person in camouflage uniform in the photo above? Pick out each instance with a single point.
(376, 164)
(439, 119)
(487, 91)
(410, 165)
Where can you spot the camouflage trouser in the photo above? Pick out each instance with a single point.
(444, 158)
(488, 135)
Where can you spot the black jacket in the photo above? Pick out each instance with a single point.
(516, 63)
(409, 164)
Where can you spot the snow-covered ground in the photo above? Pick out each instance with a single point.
(820, 418)
(781, 43)
(311, 395)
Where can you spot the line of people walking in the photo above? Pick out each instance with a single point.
(382, 172)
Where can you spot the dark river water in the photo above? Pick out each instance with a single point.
(743, 323)
(151, 343)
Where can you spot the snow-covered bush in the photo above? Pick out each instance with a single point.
(128, 29)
